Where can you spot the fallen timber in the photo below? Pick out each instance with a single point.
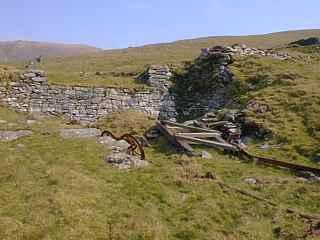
(269, 202)
(208, 143)
(181, 145)
(202, 135)
(189, 127)
(183, 136)
(274, 162)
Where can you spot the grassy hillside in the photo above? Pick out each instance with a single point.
(54, 188)
(290, 91)
(27, 50)
(81, 70)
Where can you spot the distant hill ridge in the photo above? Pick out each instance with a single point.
(25, 50)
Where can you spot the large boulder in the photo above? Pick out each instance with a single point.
(123, 160)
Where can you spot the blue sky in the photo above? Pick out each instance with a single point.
(122, 23)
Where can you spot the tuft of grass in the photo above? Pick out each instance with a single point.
(7, 73)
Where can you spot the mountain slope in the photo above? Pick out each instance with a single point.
(57, 188)
(67, 70)
(26, 50)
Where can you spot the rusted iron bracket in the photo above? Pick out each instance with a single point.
(277, 163)
(135, 148)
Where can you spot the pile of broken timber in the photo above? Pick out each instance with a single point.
(183, 136)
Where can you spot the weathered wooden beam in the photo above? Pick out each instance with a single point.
(217, 124)
(277, 163)
(192, 143)
(208, 143)
(180, 144)
(199, 135)
(297, 167)
(209, 120)
(186, 147)
(220, 139)
(189, 127)
(172, 127)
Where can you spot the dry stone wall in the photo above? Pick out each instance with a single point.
(158, 77)
(32, 93)
(243, 50)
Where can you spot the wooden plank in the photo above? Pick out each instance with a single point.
(190, 127)
(180, 144)
(217, 124)
(277, 163)
(186, 146)
(220, 139)
(209, 143)
(192, 142)
(269, 161)
(209, 120)
(199, 135)
(171, 127)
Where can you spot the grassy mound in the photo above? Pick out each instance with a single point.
(126, 122)
(290, 92)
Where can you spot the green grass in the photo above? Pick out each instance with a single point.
(66, 70)
(53, 188)
(290, 89)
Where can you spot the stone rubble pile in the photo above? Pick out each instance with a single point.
(243, 50)
(211, 66)
(223, 57)
(32, 93)
(159, 77)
